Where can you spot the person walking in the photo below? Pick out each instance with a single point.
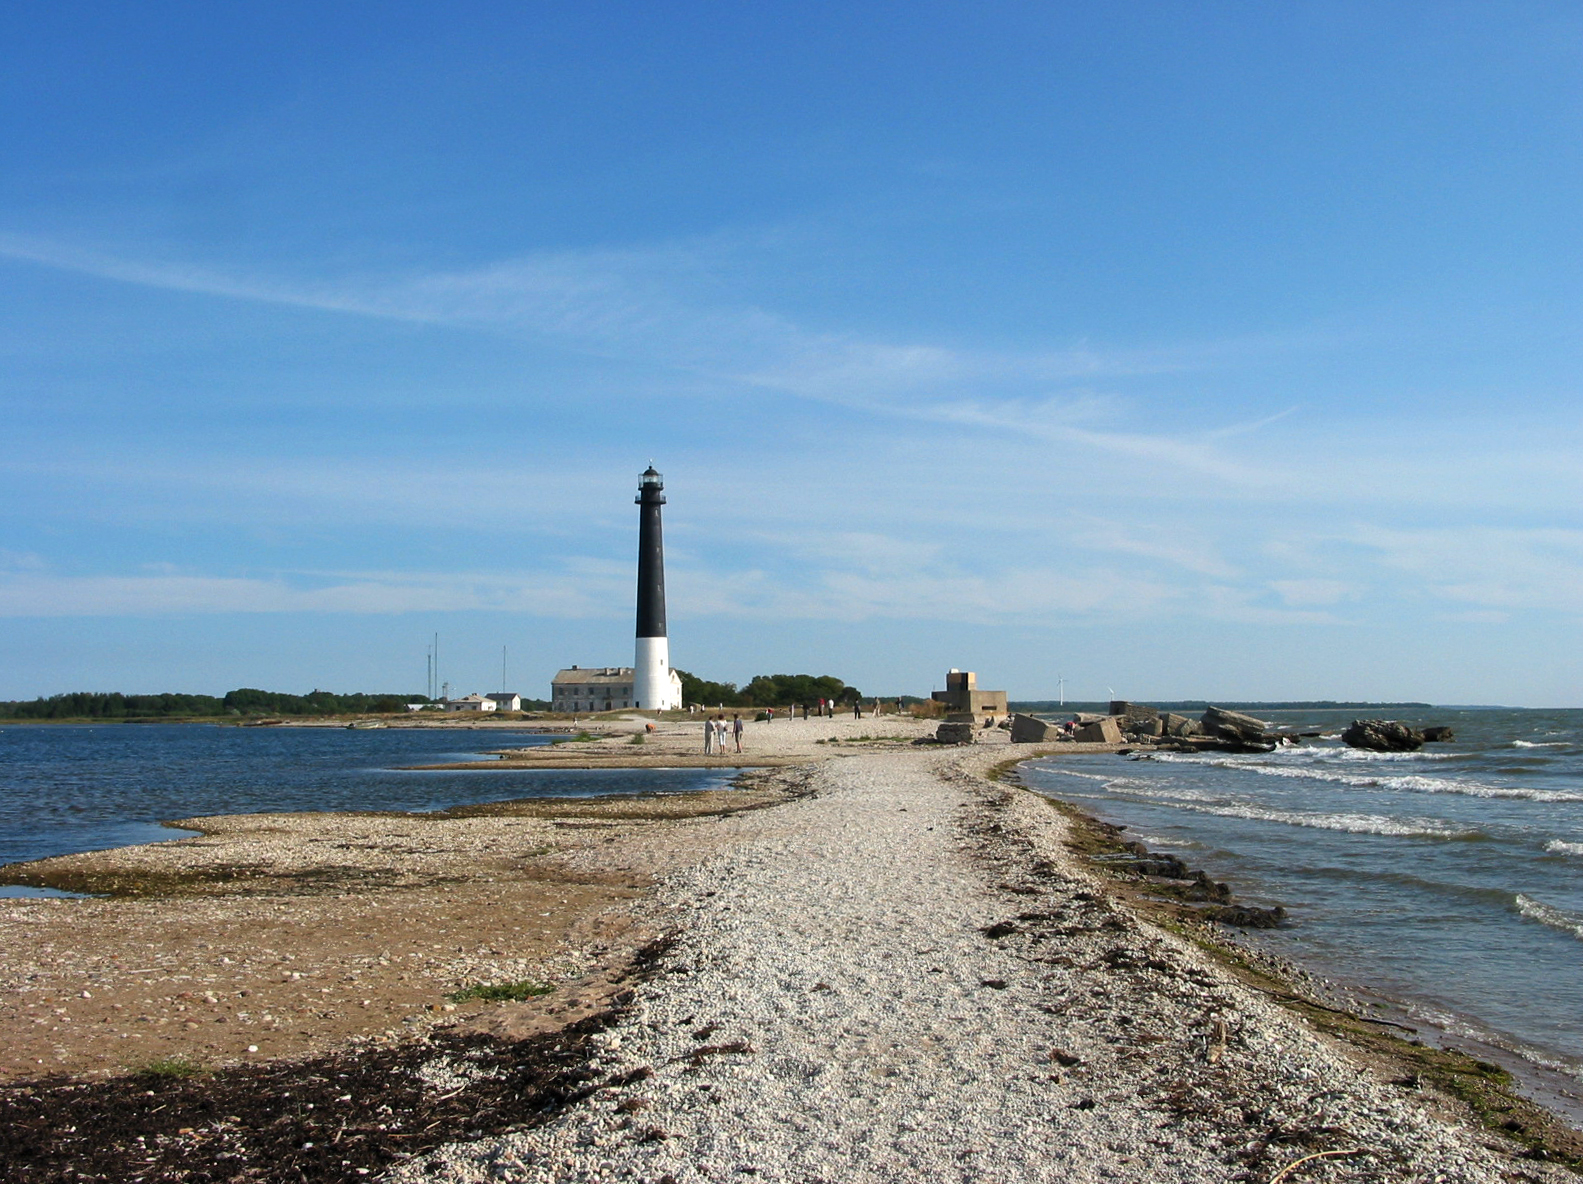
(736, 730)
(709, 736)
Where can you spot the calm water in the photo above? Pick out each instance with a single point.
(1451, 878)
(68, 788)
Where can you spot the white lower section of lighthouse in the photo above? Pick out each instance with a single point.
(655, 686)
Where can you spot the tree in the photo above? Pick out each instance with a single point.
(775, 690)
(699, 690)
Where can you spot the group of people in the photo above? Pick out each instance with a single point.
(717, 729)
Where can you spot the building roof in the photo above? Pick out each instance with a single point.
(593, 676)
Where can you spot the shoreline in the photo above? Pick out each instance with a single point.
(1548, 1084)
(651, 845)
(1349, 1008)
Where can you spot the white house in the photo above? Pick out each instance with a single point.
(473, 702)
(599, 688)
(506, 701)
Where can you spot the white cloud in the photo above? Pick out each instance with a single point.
(656, 306)
(584, 593)
(1181, 547)
(1498, 568)
(1314, 592)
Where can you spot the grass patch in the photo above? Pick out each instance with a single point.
(171, 1069)
(580, 738)
(638, 738)
(501, 992)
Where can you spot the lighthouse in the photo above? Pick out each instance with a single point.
(655, 686)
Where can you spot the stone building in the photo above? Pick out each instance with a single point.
(963, 698)
(599, 688)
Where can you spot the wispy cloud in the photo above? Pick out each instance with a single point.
(579, 593)
(1491, 568)
(660, 306)
(1177, 546)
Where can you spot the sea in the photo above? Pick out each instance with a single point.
(66, 788)
(1448, 881)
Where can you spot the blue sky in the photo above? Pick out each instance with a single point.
(1210, 350)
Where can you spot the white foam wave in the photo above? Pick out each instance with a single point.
(1562, 847)
(1318, 754)
(1360, 824)
(1545, 914)
(1411, 784)
(1074, 773)
(1408, 783)
(1539, 744)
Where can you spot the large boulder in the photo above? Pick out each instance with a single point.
(1134, 711)
(1105, 730)
(1028, 729)
(1144, 727)
(1179, 725)
(1232, 725)
(1439, 734)
(954, 734)
(1383, 735)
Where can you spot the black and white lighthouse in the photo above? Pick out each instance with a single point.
(654, 686)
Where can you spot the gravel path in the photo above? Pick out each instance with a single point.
(834, 1011)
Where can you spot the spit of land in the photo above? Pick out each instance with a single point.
(874, 960)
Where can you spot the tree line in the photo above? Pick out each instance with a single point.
(767, 690)
(763, 690)
(244, 701)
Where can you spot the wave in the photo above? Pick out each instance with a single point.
(1546, 914)
(1562, 847)
(1327, 754)
(1540, 744)
(1407, 783)
(1358, 824)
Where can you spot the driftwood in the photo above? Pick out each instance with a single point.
(1297, 1163)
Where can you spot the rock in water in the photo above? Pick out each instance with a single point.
(1439, 735)
(1246, 916)
(1383, 735)
(1232, 725)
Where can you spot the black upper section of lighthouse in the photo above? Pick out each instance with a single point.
(651, 556)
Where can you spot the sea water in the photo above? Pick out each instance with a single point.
(68, 788)
(1450, 879)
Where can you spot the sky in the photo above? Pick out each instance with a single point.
(1148, 350)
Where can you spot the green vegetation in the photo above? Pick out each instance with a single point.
(170, 1069)
(245, 701)
(501, 992)
(768, 690)
(252, 702)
